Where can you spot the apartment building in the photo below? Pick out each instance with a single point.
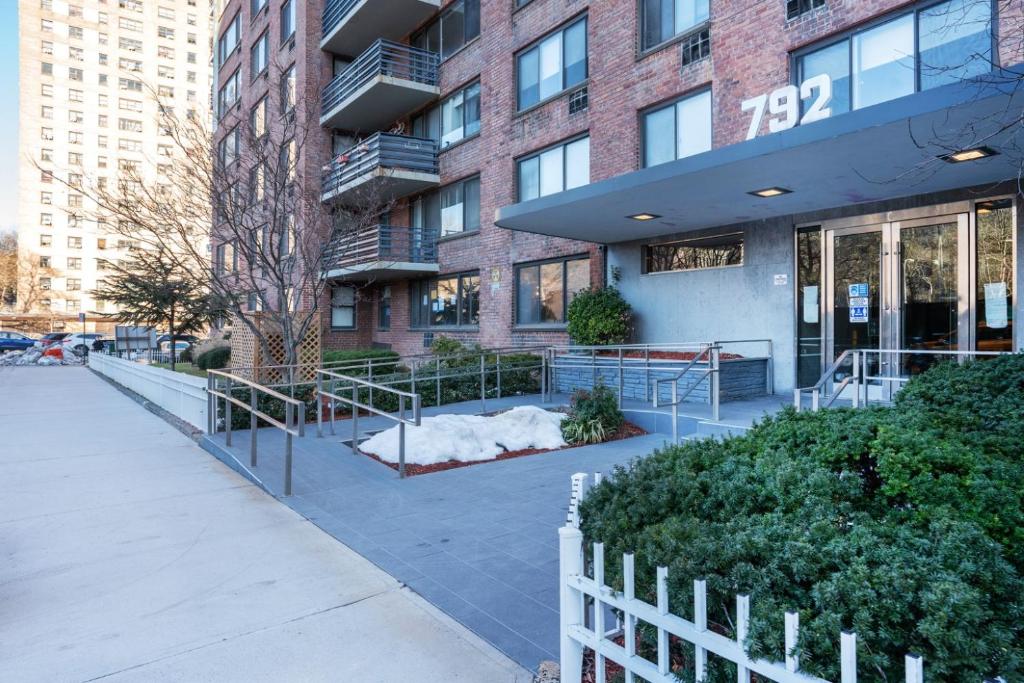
(91, 72)
(823, 174)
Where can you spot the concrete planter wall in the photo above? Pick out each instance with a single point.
(184, 396)
(739, 379)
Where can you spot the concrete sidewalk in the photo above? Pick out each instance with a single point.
(127, 553)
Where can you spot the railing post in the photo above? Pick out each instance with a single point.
(437, 376)
(771, 368)
(796, 399)
(497, 361)
(593, 367)
(319, 406)
(570, 563)
(815, 398)
(401, 437)
(715, 385)
(544, 375)
(675, 409)
(289, 420)
(252, 426)
(412, 385)
(856, 379)
(211, 404)
(483, 382)
(227, 415)
(620, 378)
(355, 417)
(647, 371)
(369, 378)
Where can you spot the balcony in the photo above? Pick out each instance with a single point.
(385, 251)
(380, 168)
(385, 83)
(350, 26)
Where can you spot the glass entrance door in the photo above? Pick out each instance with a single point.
(856, 290)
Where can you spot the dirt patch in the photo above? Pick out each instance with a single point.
(628, 430)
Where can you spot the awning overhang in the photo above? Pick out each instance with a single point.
(881, 152)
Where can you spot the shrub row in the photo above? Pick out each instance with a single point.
(904, 524)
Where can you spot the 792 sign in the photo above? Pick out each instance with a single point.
(783, 105)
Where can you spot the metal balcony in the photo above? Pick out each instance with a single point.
(350, 26)
(385, 83)
(382, 167)
(382, 252)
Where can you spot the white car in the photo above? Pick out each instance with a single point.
(80, 343)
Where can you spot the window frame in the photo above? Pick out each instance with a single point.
(439, 22)
(643, 51)
(537, 153)
(236, 24)
(438, 107)
(441, 235)
(288, 5)
(263, 41)
(535, 44)
(674, 102)
(354, 306)
(564, 260)
(646, 247)
(418, 287)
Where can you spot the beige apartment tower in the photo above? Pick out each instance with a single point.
(88, 71)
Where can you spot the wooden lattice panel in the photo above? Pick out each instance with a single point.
(248, 352)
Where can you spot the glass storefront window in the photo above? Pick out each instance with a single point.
(995, 279)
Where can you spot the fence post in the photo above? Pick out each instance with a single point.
(647, 372)
(412, 384)
(544, 375)
(497, 360)
(355, 417)
(663, 642)
(742, 628)
(792, 636)
(211, 404)
(369, 378)
(252, 426)
(848, 657)
(715, 383)
(570, 563)
(629, 621)
(289, 420)
(700, 620)
(320, 405)
(915, 668)
(483, 382)
(856, 379)
(437, 375)
(675, 409)
(401, 437)
(227, 415)
(620, 378)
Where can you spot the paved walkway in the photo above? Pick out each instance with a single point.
(480, 542)
(128, 553)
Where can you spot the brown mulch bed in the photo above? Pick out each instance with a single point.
(664, 355)
(627, 431)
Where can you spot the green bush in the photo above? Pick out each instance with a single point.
(599, 316)
(349, 355)
(575, 430)
(901, 523)
(214, 359)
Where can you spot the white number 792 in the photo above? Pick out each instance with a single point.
(784, 105)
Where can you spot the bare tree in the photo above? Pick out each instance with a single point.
(245, 216)
(34, 278)
(8, 269)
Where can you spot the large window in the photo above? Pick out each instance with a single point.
(556, 62)
(287, 20)
(921, 49)
(287, 90)
(457, 25)
(995, 281)
(228, 94)
(662, 20)
(544, 290)
(559, 168)
(343, 307)
(384, 308)
(456, 118)
(678, 130)
(229, 39)
(460, 207)
(452, 300)
(717, 251)
(258, 55)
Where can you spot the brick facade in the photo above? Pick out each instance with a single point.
(751, 46)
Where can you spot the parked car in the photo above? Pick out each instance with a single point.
(80, 343)
(15, 341)
(190, 338)
(52, 338)
(164, 351)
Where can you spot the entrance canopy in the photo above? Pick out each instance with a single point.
(881, 152)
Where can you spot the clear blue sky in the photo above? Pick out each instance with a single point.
(8, 113)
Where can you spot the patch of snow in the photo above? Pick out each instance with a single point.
(470, 438)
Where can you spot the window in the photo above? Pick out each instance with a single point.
(44, 261)
(191, 57)
(228, 94)
(46, 89)
(678, 130)
(995, 275)
(384, 308)
(102, 79)
(101, 100)
(165, 32)
(130, 44)
(103, 38)
(229, 39)
(457, 25)
(164, 91)
(225, 259)
(73, 284)
(287, 20)
(229, 147)
(164, 71)
(164, 52)
(129, 145)
(46, 198)
(73, 305)
(287, 87)
(662, 20)
(258, 55)
(47, 68)
(452, 300)
(74, 263)
(47, 47)
(557, 62)
(102, 59)
(716, 251)
(129, 105)
(76, 116)
(101, 17)
(130, 5)
(46, 25)
(75, 137)
(75, 158)
(46, 112)
(76, 53)
(126, 24)
(75, 11)
(74, 202)
(878, 64)
(457, 117)
(102, 120)
(559, 168)
(46, 154)
(460, 207)
(794, 8)
(129, 84)
(74, 243)
(75, 32)
(252, 302)
(129, 125)
(76, 74)
(343, 307)
(45, 283)
(256, 6)
(46, 219)
(258, 119)
(46, 240)
(46, 133)
(544, 290)
(165, 13)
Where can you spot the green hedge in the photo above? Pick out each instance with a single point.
(216, 358)
(349, 355)
(903, 523)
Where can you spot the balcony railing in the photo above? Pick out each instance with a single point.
(386, 81)
(405, 163)
(381, 248)
(349, 26)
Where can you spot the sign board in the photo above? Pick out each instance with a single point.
(783, 105)
(128, 338)
(861, 301)
(996, 314)
(859, 289)
(81, 317)
(858, 314)
(781, 279)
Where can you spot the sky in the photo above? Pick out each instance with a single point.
(8, 114)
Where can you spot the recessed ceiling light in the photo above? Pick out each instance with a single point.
(644, 216)
(770, 192)
(969, 154)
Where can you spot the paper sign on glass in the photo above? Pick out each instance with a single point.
(995, 305)
(811, 304)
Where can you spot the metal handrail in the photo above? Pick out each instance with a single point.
(381, 150)
(294, 415)
(860, 377)
(356, 405)
(334, 12)
(383, 58)
(382, 242)
(712, 372)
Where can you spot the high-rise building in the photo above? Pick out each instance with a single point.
(91, 75)
(730, 158)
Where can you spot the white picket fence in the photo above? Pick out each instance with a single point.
(180, 394)
(582, 622)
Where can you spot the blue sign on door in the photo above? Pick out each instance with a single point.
(858, 314)
(858, 289)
